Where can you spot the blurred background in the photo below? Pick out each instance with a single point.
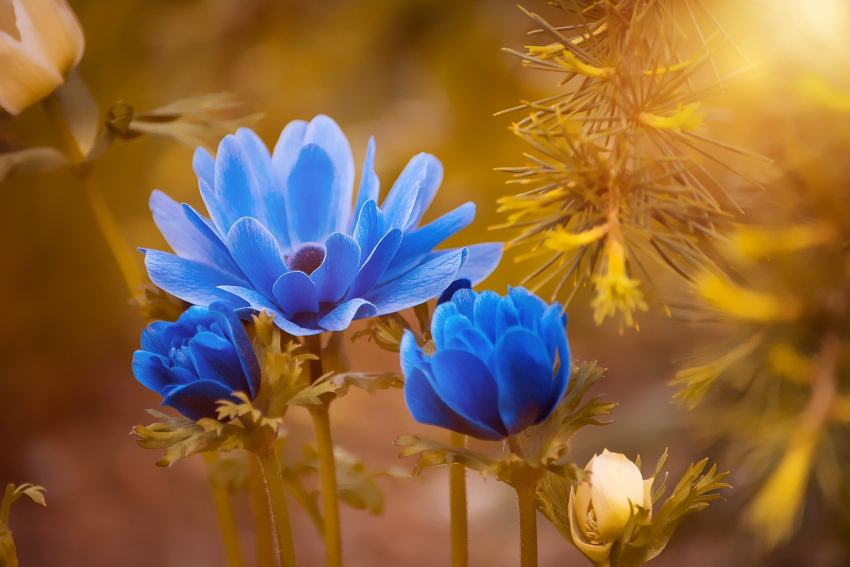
(419, 75)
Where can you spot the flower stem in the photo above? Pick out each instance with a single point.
(280, 511)
(106, 222)
(527, 525)
(327, 472)
(457, 505)
(226, 518)
(263, 528)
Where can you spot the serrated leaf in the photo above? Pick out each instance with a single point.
(433, 453)
(386, 331)
(367, 381)
(31, 160)
(312, 394)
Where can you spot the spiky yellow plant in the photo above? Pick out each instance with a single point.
(774, 386)
(621, 168)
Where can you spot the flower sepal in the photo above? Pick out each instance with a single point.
(8, 551)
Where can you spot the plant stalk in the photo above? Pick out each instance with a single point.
(226, 518)
(106, 222)
(280, 511)
(263, 528)
(330, 496)
(527, 525)
(457, 506)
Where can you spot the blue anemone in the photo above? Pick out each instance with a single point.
(500, 365)
(284, 238)
(204, 357)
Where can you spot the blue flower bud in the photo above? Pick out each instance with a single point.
(501, 364)
(203, 357)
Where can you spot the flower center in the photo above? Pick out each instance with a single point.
(592, 529)
(306, 258)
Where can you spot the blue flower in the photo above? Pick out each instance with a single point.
(500, 365)
(204, 357)
(284, 238)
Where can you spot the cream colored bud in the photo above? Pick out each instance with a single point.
(40, 42)
(600, 508)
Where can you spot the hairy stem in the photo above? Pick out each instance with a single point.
(226, 518)
(330, 496)
(527, 525)
(280, 511)
(457, 505)
(263, 528)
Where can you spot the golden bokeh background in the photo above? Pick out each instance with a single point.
(419, 75)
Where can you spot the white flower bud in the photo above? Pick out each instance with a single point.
(600, 509)
(40, 41)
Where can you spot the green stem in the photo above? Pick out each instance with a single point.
(457, 505)
(280, 511)
(527, 525)
(262, 515)
(106, 222)
(226, 518)
(327, 473)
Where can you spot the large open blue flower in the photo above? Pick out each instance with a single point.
(204, 357)
(283, 235)
(500, 365)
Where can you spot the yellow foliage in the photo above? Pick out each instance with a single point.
(745, 304)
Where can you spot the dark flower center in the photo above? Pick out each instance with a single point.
(306, 258)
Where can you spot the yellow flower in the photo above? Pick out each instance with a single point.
(40, 41)
(600, 509)
(615, 290)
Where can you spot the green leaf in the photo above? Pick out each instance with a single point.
(31, 160)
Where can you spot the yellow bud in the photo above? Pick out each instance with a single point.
(40, 41)
(600, 509)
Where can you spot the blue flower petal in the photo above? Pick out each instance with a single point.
(529, 306)
(423, 240)
(310, 196)
(335, 275)
(375, 265)
(483, 259)
(235, 332)
(204, 165)
(368, 230)
(154, 338)
(286, 150)
(189, 280)
(216, 359)
(485, 310)
(151, 371)
(466, 386)
(450, 291)
(464, 300)
(552, 328)
(441, 316)
(422, 173)
(427, 189)
(269, 201)
(474, 341)
(197, 399)
(256, 252)
(341, 316)
(426, 407)
(296, 293)
(182, 235)
(507, 316)
(370, 185)
(418, 286)
(260, 303)
(524, 377)
(236, 195)
(224, 261)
